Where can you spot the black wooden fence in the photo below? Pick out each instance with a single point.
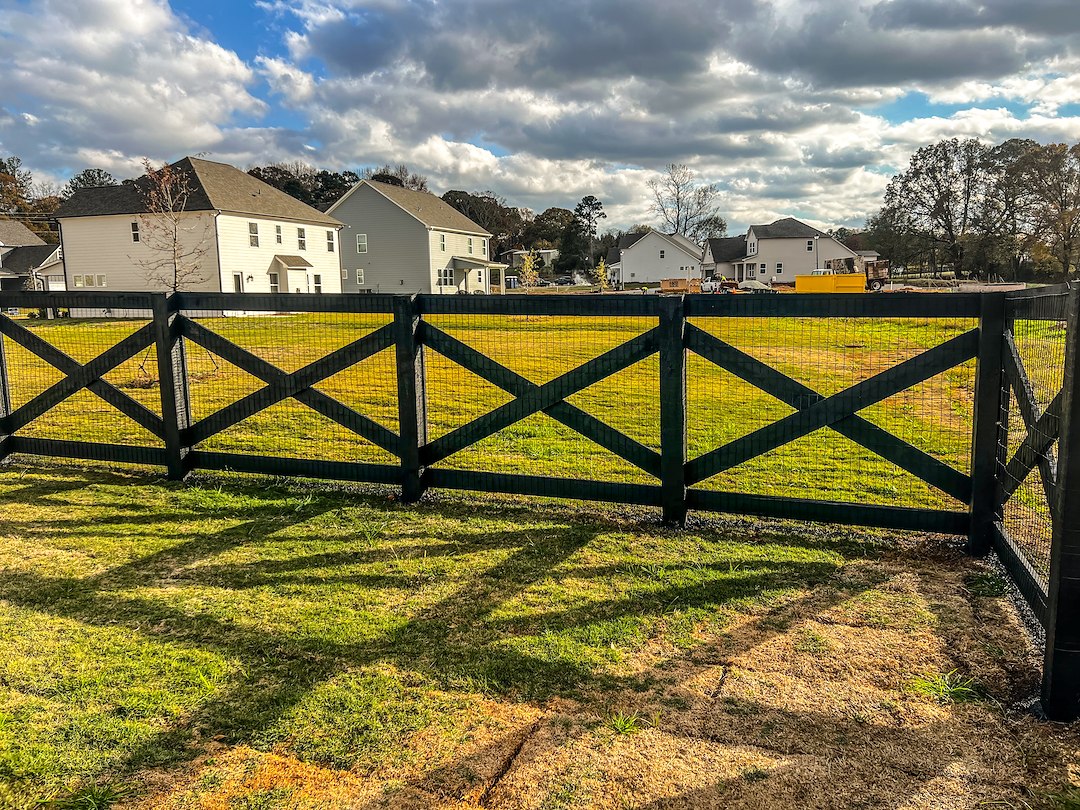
(977, 494)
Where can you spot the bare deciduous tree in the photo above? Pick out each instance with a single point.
(686, 206)
(175, 241)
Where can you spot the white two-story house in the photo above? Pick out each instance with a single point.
(775, 252)
(235, 234)
(397, 240)
(650, 257)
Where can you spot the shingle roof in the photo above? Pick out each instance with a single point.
(426, 207)
(787, 228)
(24, 259)
(215, 187)
(727, 248)
(17, 234)
(292, 262)
(628, 239)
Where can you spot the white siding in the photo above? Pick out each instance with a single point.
(102, 246)
(641, 262)
(397, 257)
(238, 256)
(457, 244)
(793, 255)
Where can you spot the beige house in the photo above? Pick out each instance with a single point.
(397, 240)
(775, 252)
(236, 234)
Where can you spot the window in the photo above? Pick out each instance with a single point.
(446, 277)
(810, 245)
(77, 280)
(237, 282)
(101, 280)
(360, 275)
(479, 276)
(253, 234)
(344, 274)
(89, 280)
(761, 268)
(134, 231)
(484, 247)
(661, 254)
(779, 267)
(329, 241)
(275, 283)
(277, 234)
(361, 243)
(442, 242)
(318, 283)
(301, 239)
(470, 244)
(752, 250)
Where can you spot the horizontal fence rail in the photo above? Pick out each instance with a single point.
(943, 412)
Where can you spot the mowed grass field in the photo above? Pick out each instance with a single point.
(826, 355)
(235, 643)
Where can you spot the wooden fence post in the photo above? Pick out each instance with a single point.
(989, 389)
(5, 401)
(173, 382)
(1061, 666)
(673, 408)
(412, 395)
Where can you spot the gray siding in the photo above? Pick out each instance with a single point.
(397, 258)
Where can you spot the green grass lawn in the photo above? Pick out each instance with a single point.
(138, 624)
(826, 355)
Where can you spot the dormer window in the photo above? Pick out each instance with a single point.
(752, 250)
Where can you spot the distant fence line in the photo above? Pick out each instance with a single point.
(1018, 492)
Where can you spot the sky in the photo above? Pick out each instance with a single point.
(799, 108)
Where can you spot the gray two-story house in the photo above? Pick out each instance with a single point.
(399, 240)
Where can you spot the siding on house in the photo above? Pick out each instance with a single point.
(641, 262)
(791, 254)
(239, 256)
(398, 255)
(457, 244)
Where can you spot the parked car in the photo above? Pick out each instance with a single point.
(564, 281)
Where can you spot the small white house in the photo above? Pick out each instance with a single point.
(238, 234)
(775, 252)
(397, 240)
(26, 262)
(650, 257)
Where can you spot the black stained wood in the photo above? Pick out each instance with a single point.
(1021, 573)
(989, 389)
(267, 372)
(290, 384)
(1061, 663)
(592, 306)
(1035, 421)
(283, 302)
(836, 407)
(89, 451)
(835, 305)
(852, 514)
(78, 300)
(172, 382)
(670, 335)
(5, 397)
(412, 397)
(544, 396)
(299, 467)
(862, 431)
(570, 415)
(543, 486)
(79, 376)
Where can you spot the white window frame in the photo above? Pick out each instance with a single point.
(253, 234)
(359, 275)
(238, 281)
(77, 281)
(446, 277)
(483, 246)
(301, 238)
(277, 234)
(135, 235)
(470, 244)
(752, 250)
(662, 254)
(316, 281)
(345, 273)
(361, 243)
(275, 282)
(779, 267)
(480, 277)
(809, 245)
(329, 241)
(442, 242)
(102, 280)
(762, 268)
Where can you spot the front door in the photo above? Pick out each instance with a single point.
(238, 282)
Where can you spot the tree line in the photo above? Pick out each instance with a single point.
(1010, 211)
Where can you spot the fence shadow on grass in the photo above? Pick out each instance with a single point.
(452, 641)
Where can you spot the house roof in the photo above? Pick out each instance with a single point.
(17, 234)
(292, 262)
(628, 239)
(787, 228)
(727, 248)
(215, 187)
(468, 262)
(424, 206)
(22, 260)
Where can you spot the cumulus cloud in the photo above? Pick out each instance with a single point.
(783, 103)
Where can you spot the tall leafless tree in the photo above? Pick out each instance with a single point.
(175, 241)
(686, 206)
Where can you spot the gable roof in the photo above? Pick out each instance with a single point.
(16, 234)
(727, 248)
(628, 239)
(787, 228)
(24, 259)
(214, 187)
(682, 243)
(422, 205)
